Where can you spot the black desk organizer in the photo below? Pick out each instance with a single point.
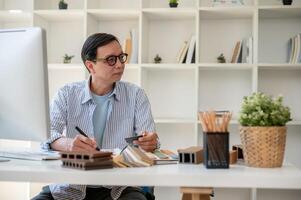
(216, 150)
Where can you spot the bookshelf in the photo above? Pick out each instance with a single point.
(178, 91)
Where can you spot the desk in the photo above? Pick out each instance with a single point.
(238, 176)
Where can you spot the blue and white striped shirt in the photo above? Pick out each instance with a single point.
(73, 106)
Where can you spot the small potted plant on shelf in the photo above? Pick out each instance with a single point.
(221, 58)
(263, 130)
(63, 4)
(67, 58)
(287, 2)
(157, 59)
(173, 3)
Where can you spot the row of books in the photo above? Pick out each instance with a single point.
(133, 156)
(130, 46)
(186, 53)
(294, 49)
(243, 51)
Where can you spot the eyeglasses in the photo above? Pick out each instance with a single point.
(111, 60)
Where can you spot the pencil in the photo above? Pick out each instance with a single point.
(84, 134)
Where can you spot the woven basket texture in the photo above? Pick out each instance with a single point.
(263, 146)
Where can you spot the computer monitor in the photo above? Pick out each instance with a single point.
(24, 99)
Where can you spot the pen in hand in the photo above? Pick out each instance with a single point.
(84, 134)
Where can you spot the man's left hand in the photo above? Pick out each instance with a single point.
(148, 142)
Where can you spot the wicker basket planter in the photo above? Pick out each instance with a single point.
(263, 146)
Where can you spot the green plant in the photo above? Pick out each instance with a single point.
(262, 110)
(67, 59)
(173, 1)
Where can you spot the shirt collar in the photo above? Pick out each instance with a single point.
(87, 94)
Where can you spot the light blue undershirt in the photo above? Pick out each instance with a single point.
(100, 115)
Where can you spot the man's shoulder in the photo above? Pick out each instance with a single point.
(127, 86)
(74, 87)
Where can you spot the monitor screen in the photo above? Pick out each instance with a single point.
(24, 103)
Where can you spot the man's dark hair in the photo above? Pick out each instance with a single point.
(94, 41)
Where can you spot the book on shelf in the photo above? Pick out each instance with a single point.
(182, 52)
(291, 47)
(294, 49)
(298, 40)
(190, 49)
(243, 51)
(127, 47)
(250, 50)
(133, 156)
(299, 57)
(134, 37)
(236, 52)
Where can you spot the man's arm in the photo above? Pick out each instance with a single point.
(58, 120)
(144, 123)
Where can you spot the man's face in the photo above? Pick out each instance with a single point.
(103, 68)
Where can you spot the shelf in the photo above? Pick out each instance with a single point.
(132, 66)
(294, 122)
(279, 66)
(240, 12)
(15, 16)
(114, 14)
(280, 12)
(61, 66)
(165, 4)
(169, 66)
(225, 66)
(169, 13)
(60, 15)
(173, 121)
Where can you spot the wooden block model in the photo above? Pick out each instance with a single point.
(233, 157)
(192, 155)
(239, 150)
(86, 160)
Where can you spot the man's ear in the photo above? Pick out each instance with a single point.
(90, 66)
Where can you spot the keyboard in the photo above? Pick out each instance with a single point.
(29, 154)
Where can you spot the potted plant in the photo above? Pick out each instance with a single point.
(63, 4)
(263, 130)
(67, 58)
(173, 3)
(287, 2)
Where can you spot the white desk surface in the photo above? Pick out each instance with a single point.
(237, 176)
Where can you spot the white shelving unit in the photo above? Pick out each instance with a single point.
(178, 91)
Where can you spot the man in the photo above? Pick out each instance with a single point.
(107, 110)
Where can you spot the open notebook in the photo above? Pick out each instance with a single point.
(28, 154)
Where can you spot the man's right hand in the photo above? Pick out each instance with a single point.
(79, 143)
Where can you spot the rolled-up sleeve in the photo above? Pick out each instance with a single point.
(143, 115)
(58, 117)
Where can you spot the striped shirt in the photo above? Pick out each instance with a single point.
(73, 105)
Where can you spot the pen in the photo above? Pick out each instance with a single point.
(123, 149)
(84, 134)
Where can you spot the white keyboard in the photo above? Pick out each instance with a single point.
(29, 154)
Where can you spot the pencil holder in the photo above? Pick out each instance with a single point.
(216, 150)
